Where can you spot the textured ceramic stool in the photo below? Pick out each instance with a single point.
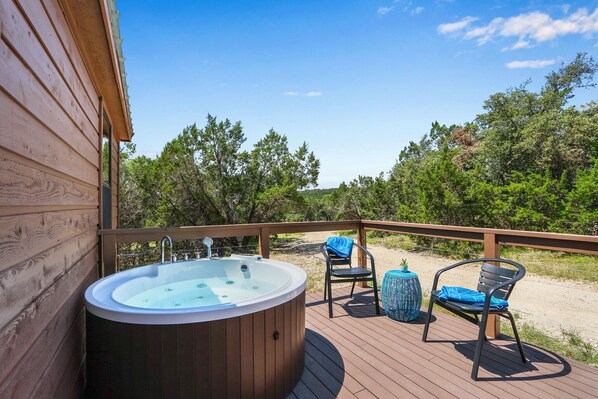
(401, 295)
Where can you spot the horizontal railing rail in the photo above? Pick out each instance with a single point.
(112, 237)
(543, 240)
(223, 231)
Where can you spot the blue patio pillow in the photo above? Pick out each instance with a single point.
(340, 246)
(465, 295)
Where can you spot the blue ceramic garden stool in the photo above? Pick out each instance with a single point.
(401, 295)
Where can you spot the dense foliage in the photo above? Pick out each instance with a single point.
(204, 177)
(529, 161)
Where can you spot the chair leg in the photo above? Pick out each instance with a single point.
(352, 289)
(329, 298)
(325, 285)
(512, 319)
(428, 318)
(375, 284)
(479, 346)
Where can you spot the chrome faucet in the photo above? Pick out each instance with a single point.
(162, 245)
(208, 243)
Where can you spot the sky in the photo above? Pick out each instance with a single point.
(357, 80)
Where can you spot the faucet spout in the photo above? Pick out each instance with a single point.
(208, 243)
(162, 246)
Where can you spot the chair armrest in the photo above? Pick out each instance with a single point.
(368, 254)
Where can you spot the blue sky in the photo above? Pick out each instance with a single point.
(357, 80)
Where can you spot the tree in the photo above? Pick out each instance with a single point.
(531, 132)
(581, 211)
(363, 198)
(204, 177)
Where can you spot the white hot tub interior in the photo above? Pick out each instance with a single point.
(200, 283)
(195, 290)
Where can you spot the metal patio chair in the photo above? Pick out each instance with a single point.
(493, 281)
(336, 274)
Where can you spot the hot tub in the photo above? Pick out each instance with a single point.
(227, 327)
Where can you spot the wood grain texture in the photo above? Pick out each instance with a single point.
(65, 35)
(23, 283)
(49, 158)
(61, 377)
(24, 185)
(30, 43)
(31, 339)
(25, 236)
(22, 134)
(18, 81)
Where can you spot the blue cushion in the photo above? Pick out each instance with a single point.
(465, 295)
(340, 246)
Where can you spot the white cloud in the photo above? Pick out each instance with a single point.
(313, 94)
(454, 27)
(528, 28)
(529, 64)
(417, 10)
(484, 33)
(291, 93)
(521, 43)
(384, 10)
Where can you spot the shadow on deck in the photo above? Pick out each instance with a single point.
(360, 355)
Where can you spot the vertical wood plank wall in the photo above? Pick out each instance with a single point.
(49, 154)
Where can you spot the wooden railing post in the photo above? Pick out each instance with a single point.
(361, 257)
(108, 255)
(492, 250)
(265, 242)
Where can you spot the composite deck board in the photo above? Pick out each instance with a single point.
(357, 354)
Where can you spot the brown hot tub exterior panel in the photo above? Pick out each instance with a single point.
(259, 355)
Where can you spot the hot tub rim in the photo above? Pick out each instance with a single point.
(127, 314)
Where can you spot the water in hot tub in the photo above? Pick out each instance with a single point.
(200, 293)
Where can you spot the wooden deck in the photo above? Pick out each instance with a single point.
(360, 355)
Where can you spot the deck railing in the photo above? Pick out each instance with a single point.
(492, 239)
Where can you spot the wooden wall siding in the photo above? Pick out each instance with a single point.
(49, 196)
(26, 236)
(234, 358)
(22, 133)
(114, 167)
(33, 52)
(25, 185)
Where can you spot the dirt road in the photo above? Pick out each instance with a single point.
(548, 303)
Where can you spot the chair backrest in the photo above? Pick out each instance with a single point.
(492, 275)
(332, 259)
